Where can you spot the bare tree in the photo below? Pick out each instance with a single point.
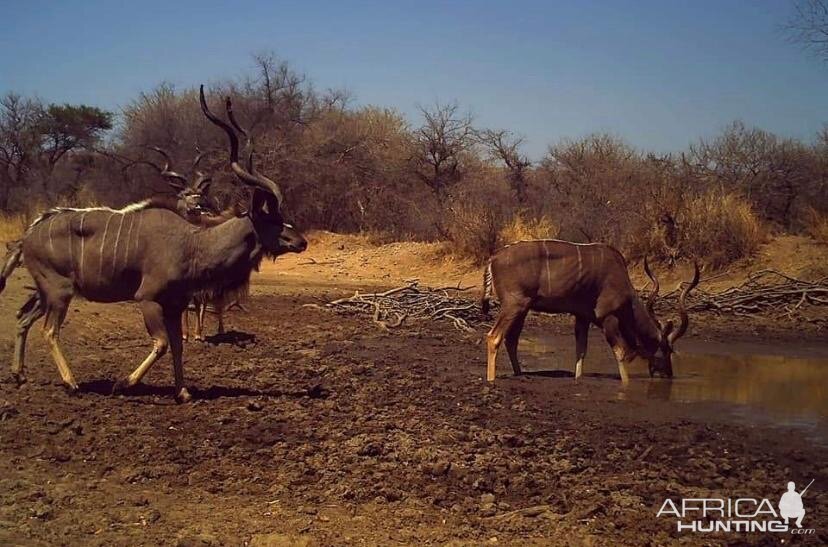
(809, 26)
(504, 147)
(440, 143)
(19, 141)
(770, 171)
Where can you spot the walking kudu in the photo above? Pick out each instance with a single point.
(589, 281)
(195, 208)
(144, 253)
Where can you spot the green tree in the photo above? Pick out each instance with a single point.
(35, 138)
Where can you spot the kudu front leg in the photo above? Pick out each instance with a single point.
(29, 312)
(154, 321)
(612, 332)
(173, 324)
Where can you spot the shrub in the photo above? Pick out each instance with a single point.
(473, 231)
(12, 227)
(521, 228)
(816, 224)
(719, 228)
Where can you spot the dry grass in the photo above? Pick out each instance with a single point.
(816, 224)
(521, 228)
(719, 228)
(473, 232)
(12, 226)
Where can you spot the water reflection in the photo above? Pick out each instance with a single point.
(782, 390)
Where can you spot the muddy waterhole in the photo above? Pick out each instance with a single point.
(768, 385)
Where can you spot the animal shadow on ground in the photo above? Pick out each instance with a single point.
(104, 387)
(560, 373)
(234, 337)
(550, 373)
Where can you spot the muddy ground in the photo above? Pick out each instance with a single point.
(313, 427)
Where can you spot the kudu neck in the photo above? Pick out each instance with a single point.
(646, 327)
(228, 249)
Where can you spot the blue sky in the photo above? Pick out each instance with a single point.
(661, 74)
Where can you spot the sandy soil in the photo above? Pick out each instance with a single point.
(315, 428)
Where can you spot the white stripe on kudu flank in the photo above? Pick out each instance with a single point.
(137, 232)
(83, 243)
(548, 273)
(580, 262)
(117, 237)
(49, 229)
(129, 233)
(103, 241)
(71, 244)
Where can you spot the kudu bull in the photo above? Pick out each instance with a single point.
(198, 211)
(589, 281)
(143, 253)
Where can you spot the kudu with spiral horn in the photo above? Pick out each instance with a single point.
(589, 281)
(217, 300)
(142, 253)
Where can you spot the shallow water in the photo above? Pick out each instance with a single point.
(768, 387)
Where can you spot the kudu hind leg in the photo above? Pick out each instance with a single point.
(185, 324)
(29, 312)
(581, 337)
(220, 314)
(512, 339)
(218, 304)
(201, 312)
(55, 314)
(509, 312)
(154, 321)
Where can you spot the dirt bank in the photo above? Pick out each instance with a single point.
(348, 260)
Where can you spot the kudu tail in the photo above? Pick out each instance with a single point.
(11, 262)
(485, 300)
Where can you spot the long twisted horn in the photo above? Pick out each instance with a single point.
(251, 145)
(684, 320)
(228, 105)
(653, 294)
(199, 156)
(261, 182)
(166, 172)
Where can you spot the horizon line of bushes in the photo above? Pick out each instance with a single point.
(369, 169)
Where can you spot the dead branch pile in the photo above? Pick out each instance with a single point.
(390, 308)
(764, 292)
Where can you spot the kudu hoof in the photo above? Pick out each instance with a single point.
(71, 389)
(19, 379)
(183, 396)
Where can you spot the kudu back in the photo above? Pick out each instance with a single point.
(589, 281)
